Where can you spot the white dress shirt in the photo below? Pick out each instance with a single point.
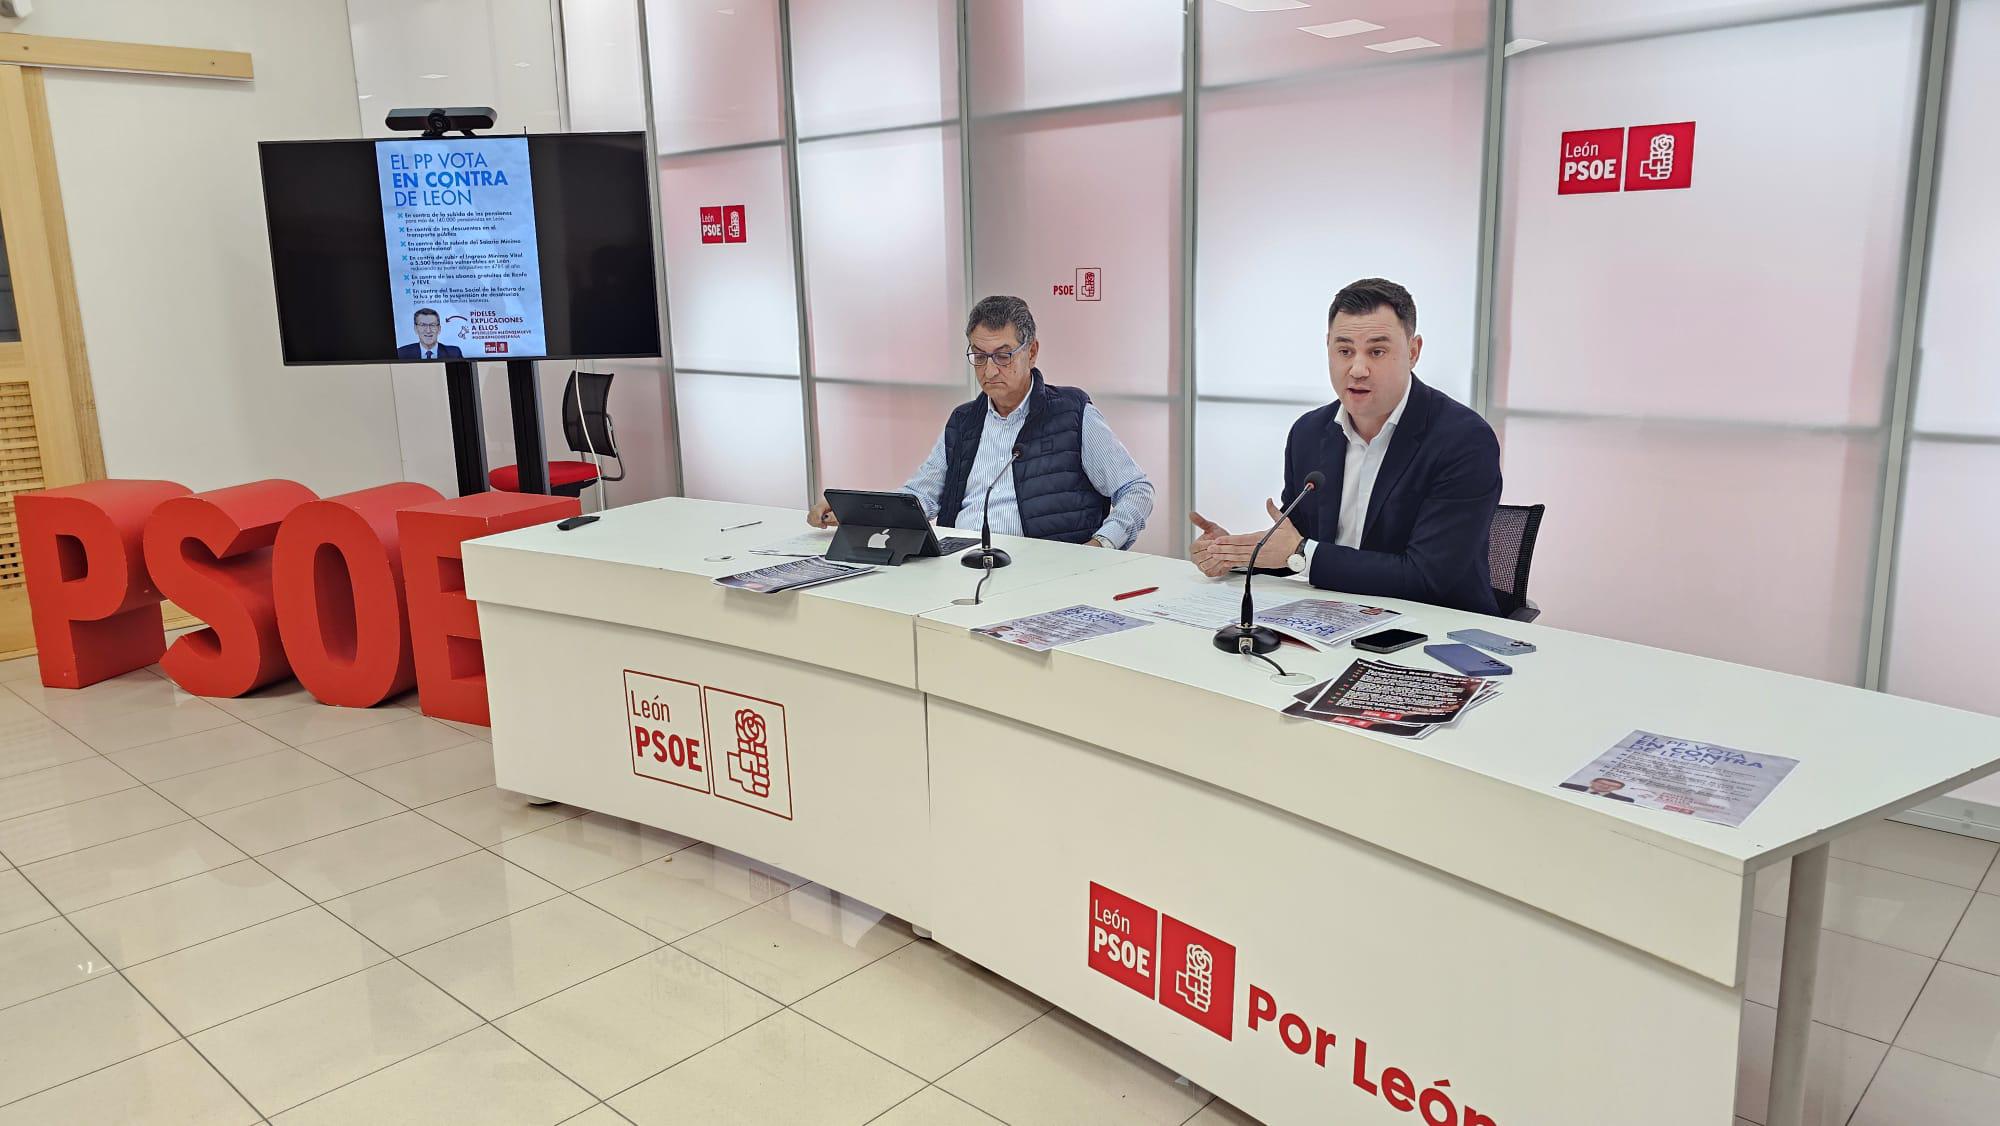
(1111, 471)
(1357, 476)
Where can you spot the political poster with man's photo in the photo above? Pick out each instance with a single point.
(1705, 781)
(465, 275)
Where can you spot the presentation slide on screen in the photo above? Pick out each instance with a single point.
(464, 266)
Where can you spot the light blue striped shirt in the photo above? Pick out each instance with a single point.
(1111, 470)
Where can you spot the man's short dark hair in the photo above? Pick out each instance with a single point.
(995, 313)
(1370, 294)
(426, 313)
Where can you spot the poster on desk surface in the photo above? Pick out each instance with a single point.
(1067, 626)
(465, 266)
(1701, 780)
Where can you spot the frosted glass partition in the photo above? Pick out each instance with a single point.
(1240, 453)
(1033, 54)
(874, 437)
(873, 64)
(1284, 224)
(1943, 613)
(1242, 45)
(715, 72)
(734, 305)
(1709, 440)
(607, 87)
(741, 439)
(1745, 544)
(457, 52)
(1558, 21)
(1615, 303)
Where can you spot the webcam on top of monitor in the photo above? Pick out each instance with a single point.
(436, 122)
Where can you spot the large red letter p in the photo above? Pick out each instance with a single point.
(96, 613)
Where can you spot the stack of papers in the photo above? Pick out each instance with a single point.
(1067, 626)
(1321, 623)
(796, 575)
(1392, 699)
(805, 545)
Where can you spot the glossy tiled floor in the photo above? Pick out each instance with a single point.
(268, 910)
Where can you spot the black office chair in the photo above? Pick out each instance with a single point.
(586, 421)
(1510, 549)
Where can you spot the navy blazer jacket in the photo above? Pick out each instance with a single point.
(1429, 517)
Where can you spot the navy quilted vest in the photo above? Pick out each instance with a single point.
(1057, 500)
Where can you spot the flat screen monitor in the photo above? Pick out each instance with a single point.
(479, 248)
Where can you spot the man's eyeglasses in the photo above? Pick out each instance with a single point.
(998, 359)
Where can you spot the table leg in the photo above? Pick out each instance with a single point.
(1803, 913)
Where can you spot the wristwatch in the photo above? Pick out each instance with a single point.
(1297, 562)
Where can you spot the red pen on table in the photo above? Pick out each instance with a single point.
(1133, 593)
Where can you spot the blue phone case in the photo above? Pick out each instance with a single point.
(1492, 642)
(1468, 660)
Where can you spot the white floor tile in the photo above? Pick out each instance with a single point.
(599, 1115)
(98, 875)
(686, 891)
(315, 722)
(20, 668)
(472, 729)
(1945, 857)
(441, 901)
(782, 1069)
(1914, 1090)
(1992, 883)
(161, 920)
(1219, 1113)
(435, 776)
(479, 1077)
(1894, 909)
(240, 783)
(1957, 1019)
(404, 738)
(1977, 942)
(54, 786)
(204, 750)
(924, 1009)
(53, 1039)
(284, 696)
(492, 815)
(933, 1107)
(32, 743)
(524, 957)
(170, 1086)
(1838, 1068)
(1059, 1071)
(799, 942)
(118, 730)
(586, 849)
(347, 861)
(138, 690)
(45, 957)
(1863, 987)
(223, 978)
(302, 815)
(306, 1046)
(79, 825)
(20, 903)
(637, 1020)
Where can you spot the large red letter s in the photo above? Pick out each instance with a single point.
(96, 613)
(444, 624)
(339, 581)
(211, 554)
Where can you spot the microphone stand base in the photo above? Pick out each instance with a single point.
(979, 557)
(1230, 639)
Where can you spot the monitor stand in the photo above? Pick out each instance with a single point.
(468, 426)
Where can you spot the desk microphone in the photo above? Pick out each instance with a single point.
(988, 556)
(1246, 637)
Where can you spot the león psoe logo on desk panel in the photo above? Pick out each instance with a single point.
(750, 737)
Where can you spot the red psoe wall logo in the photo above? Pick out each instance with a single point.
(1659, 157)
(1124, 939)
(1591, 161)
(1198, 976)
(711, 224)
(733, 224)
(1088, 280)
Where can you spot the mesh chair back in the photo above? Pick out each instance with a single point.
(586, 418)
(1509, 552)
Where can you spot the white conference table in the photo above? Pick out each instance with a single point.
(1375, 915)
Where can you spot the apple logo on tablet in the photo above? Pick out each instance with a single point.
(879, 541)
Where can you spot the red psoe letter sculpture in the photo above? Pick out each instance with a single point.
(444, 624)
(96, 613)
(338, 572)
(211, 553)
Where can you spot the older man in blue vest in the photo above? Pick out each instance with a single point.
(1072, 481)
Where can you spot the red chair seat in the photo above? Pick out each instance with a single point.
(507, 478)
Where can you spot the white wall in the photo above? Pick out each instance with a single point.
(166, 228)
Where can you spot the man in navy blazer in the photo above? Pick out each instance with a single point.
(427, 347)
(1412, 476)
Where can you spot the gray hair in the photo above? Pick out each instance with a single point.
(998, 312)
